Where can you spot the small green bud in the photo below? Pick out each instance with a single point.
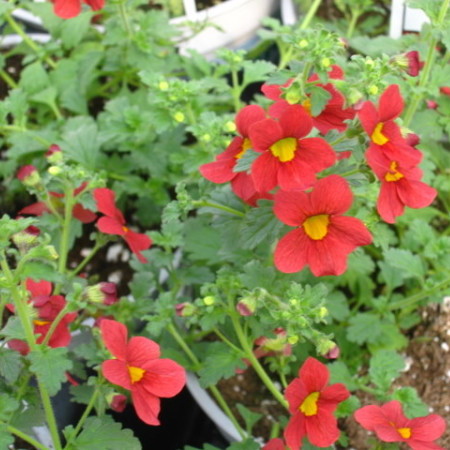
(293, 301)
(209, 300)
(326, 62)
(206, 138)
(369, 62)
(179, 116)
(324, 346)
(54, 170)
(323, 312)
(373, 90)
(237, 59)
(230, 126)
(293, 340)
(293, 96)
(52, 251)
(303, 43)
(163, 85)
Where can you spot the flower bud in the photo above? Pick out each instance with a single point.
(29, 176)
(26, 239)
(303, 43)
(104, 292)
(326, 62)
(333, 353)
(209, 300)
(163, 85)
(293, 301)
(369, 62)
(322, 313)
(324, 346)
(293, 340)
(373, 90)
(445, 90)
(52, 253)
(206, 137)
(230, 126)
(246, 305)
(409, 62)
(54, 154)
(293, 95)
(179, 116)
(54, 170)
(184, 309)
(431, 104)
(117, 402)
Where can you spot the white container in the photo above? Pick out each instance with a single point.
(233, 23)
(404, 18)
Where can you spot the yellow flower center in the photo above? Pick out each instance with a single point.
(393, 174)
(405, 433)
(377, 136)
(316, 227)
(284, 149)
(41, 322)
(125, 229)
(245, 146)
(136, 374)
(307, 105)
(309, 405)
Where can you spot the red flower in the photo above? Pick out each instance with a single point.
(79, 212)
(414, 63)
(445, 90)
(114, 223)
(380, 126)
(29, 176)
(400, 186)
(333, 115)
(118, 403)
(48, 307)
(139, 369)
(286, 159)
(323, 237)
(275, 444)
(103, 292)
(312, 403)
(66, 9)
(222, 169)
(390, 425)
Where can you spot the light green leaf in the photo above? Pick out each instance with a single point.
(50, 365)
(105, 434)
(364, 327)
(10, 364)
(412, 404)
(410, 264)
(250, 417)
(385, 367)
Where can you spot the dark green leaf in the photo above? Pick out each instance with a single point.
(412, 404)
(245, 162)
(319, 98)
(364, 327)
(10, 364)
(250, 417)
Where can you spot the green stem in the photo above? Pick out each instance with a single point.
(54, 324)
(228, 342)
(83, 418)
(214, 391)
(18, 29)
(86, 260)
(25, 437)
(206, 204)
(352, 24)
(255, 363)
(124, 17)
(21, 309)
(8, 80)
(236, 90)
(310, 14)
(350, 172)
(413, 299)
(426, 71)
(338, 140)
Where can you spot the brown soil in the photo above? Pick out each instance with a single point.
(428, 371)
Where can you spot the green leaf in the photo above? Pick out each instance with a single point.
(255, 275)
(247, 444)
(50, 365)
(40, 270)
(10, 364)
(256, 71)
(260, 225)
(7, 406)
(364, 327)
(82, 393)
(245, 162)
(34, 78)
(81, 141)
(410, 264)
(319, 98)
(73, 30)
(220, 362)
(412, 404)
(339, 373)
(384, 368)
(348, 407)
(337, 305)
(13, 329)
(250, 417)
(46, 96)
(6, 438)
(201, 240)
(105, 434)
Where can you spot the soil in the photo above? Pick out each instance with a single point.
(427, 370)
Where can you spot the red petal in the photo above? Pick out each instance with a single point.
(314, 374)
(106, 204)
(350, 230)
(243, 186)
(292, 208)
(394, 413)
(274, 444)
(322, 430)
(138, 242)
(278, 108)
(116, 372)
(420, 445)
(368, 116)
(164, 378)
(140, 350)
(331, 195)
(427, 428)
(35, 209)
(331, 396)
(248, 116)
(82, 214)
(295, 431)
(95, 4)
(415, 194)
(66, 9)
(391, 103)
(295, 122)
(292, 251)
(316, 152)
(295, 394)
(38, 288)
(370, 416)
(264, 172)
(109, 225)
(389, 205)
(220, 171)
(147, 406)
(265, 133)
(115, 335)
(295, 174)
(19, 346)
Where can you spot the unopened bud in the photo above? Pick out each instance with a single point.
(303, 43)
(209, 300)
(293, 340)
(333, 353)
(54, 154)
(163, 85)
(26, 239)
(246, 306)
(373, 90)
(293, 96)
(369, 62)
(322, 313)
(104, 292)
(184, 309)
(52, 253)
(29, 176)
(54, 170)
(326, 62)
(230, 126)
(324, 346)
(179, 116)
(206, 137)
(293, 301)
(117, 402)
